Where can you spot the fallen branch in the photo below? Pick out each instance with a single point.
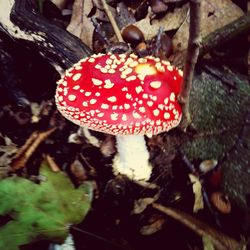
(225, 34)
(219, 240)
(21, 20)
(191, 59)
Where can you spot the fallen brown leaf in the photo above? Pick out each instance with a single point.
(215, 15)
(80, 24)
(155, 223)
(170, 21)
(141, 204)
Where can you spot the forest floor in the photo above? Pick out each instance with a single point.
(198, 195)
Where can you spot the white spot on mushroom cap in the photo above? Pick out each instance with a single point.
(98, 66)
(88, 93)
(156, 112)
(124, 117)
(72, 98)
(128, 96)
(150, 103)
(100, 114)
(96, 82)
(103, 70)
(108, 84)
(155, 84)
(104, 106)
(60, 98)
(112, 99)
(114, 116)
(111, 71)
(92, 101)
(136, 115)
(126, 106)
(142, 109)
(138, 89)
(170, 67)
(85, 104)
(77, 76)
(166, 115)
(76, 87)
(172, 97)
(130, 78)
(124, 89)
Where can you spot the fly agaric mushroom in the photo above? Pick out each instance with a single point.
(125, 96)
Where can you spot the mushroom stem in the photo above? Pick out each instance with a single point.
(132, 159)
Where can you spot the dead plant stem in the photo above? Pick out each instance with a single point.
(191, 59)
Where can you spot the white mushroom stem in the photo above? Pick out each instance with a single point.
(132, 158)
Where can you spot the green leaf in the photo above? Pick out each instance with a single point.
(41, 211)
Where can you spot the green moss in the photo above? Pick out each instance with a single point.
(217, 114)
(41, 211)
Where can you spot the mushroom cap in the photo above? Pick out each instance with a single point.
(121, 94)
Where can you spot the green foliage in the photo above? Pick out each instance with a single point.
(41, 211)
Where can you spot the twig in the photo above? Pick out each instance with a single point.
(219, 240)
(112, 21)
(26, 151)
(191, 59)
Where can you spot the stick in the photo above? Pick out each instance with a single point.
(191, 59)
(112, 21)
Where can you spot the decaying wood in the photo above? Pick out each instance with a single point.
(21, 20)
(191, 59)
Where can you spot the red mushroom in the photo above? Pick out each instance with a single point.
(125, 96)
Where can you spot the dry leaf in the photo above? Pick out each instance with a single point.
(156, 223)
(221, 202)
(78, 171)
(171, 21)
(80, 25)
(7, 151)
(197, 190)
(26, 151)
(107, 147)
(215, 15)
(141, 204)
